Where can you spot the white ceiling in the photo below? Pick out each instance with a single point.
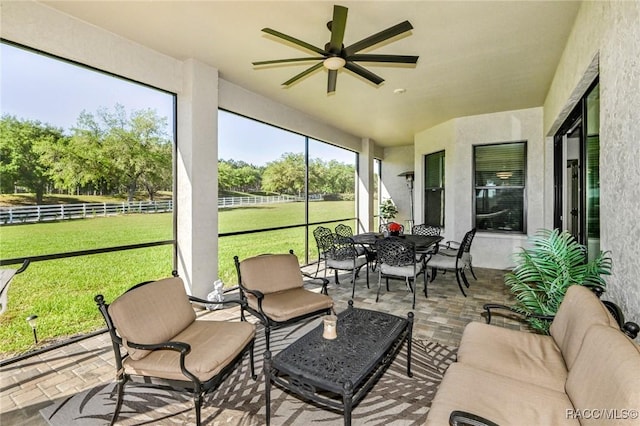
(475, 57)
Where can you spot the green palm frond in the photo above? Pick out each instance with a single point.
(543, 273)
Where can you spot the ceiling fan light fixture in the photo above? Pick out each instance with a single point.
(335, 55)
(334, 63)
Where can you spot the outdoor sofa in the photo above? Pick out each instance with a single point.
(585, 372)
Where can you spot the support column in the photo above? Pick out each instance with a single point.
(197, 171)
(365, 186)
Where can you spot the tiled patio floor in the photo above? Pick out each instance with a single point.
(34, 383)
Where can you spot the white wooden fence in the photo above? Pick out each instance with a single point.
(243, 201)
(42, 213)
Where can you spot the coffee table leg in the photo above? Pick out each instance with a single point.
(409, 341)
(267, 385)
(347, 398)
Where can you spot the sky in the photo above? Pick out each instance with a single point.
(40, 88)
(37, 87)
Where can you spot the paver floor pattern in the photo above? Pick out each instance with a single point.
(36, 382)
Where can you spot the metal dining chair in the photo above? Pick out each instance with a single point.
(324, 239)
(397, 259)
(457, 263)
(343, 256)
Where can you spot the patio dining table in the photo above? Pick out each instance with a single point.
(423, 243)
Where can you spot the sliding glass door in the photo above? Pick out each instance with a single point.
(577, 172)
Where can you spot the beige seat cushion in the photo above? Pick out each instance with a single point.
(348, 264)
(271, 273)
(401, 271)
(606, 376)
(530, 357)
(442, 261)
(501, 399)
(288, 304)
(152, 313)
(579, 310)
(214, 344)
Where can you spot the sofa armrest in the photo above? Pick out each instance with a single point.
(489, 306)
(462, 418)
(629, 328)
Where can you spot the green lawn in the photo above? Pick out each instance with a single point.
(61, 291)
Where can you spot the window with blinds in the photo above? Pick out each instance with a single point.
(434, 189)
(500, 184)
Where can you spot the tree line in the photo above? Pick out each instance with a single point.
(109, 152)
(115, 153)
(286, 175)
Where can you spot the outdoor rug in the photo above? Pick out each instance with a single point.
(394, 400)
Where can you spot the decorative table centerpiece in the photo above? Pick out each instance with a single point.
(394, 229)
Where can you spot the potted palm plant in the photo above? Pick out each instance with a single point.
(543, 273)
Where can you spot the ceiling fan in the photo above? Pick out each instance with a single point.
(335, 55)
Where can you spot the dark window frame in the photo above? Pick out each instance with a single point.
(307, 224)
(523, 188)
(87, 252)
(440, 188)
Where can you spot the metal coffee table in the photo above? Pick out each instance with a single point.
(338, 373)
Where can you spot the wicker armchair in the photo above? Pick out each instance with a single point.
(397, 258)
(158, 342)
(273, 288)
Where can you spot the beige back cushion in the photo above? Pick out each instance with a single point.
(579, 310)
(271, 273)
(606, 377)
(152, 313)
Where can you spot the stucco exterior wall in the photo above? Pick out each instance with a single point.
(438, 138)
(611, 30)
(457, 137)
(397, 160)
(620, 153)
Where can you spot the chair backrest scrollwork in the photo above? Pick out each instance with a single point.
(396, 251)
(344, 230)
(427, 230)
(324, 239)
(343, 248)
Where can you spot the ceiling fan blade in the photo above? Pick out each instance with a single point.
(294, 40)
(338, 25)
(282, 61)
(383, 35)
(331, 83)
(302, 74)
(398, 59)
(363, 72)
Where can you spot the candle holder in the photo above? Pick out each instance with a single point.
(330, 327)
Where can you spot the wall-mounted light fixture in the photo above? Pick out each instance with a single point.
(32, 320)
